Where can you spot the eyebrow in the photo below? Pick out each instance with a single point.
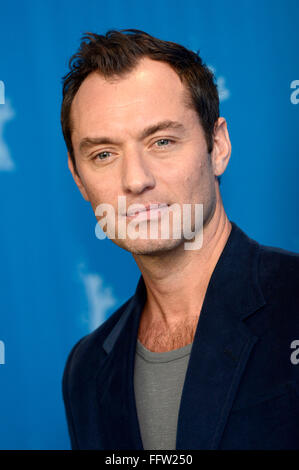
(89, 142)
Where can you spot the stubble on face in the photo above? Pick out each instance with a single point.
(119, 109)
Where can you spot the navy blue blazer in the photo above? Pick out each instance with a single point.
(241, 389)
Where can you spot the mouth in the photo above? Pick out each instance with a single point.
(146, 209)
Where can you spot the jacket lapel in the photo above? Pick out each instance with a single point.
(115, 381)
(221, 348)
(222, 345)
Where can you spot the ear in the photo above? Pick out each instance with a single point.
(76, 177)
(222, 147)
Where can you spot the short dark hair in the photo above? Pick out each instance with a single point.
(117, 53)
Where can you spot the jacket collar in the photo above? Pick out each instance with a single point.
(221, 348)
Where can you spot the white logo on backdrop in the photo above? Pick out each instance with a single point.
(100, 299)
(6, 114)
(223, 92)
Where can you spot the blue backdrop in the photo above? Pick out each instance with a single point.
(58, 281)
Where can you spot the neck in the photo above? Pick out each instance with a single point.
(176, 282)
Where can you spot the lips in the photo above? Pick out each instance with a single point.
(145, 207)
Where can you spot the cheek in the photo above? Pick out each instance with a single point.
(92, 190)
(196, 177)
(96, 188)
(201, 185)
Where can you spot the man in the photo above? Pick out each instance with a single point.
(200, 356)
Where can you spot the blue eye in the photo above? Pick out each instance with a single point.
(101, 155)
(162, 140)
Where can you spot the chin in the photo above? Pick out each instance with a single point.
(149, 247)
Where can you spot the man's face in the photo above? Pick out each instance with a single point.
(124, 147)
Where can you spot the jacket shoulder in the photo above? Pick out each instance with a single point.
(279, 264)
(83, 359)
(279, 277)
(82, 364)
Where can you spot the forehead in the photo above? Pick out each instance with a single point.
(151, 92)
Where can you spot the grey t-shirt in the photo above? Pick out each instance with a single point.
(158, 383)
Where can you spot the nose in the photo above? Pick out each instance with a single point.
(136, 175)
